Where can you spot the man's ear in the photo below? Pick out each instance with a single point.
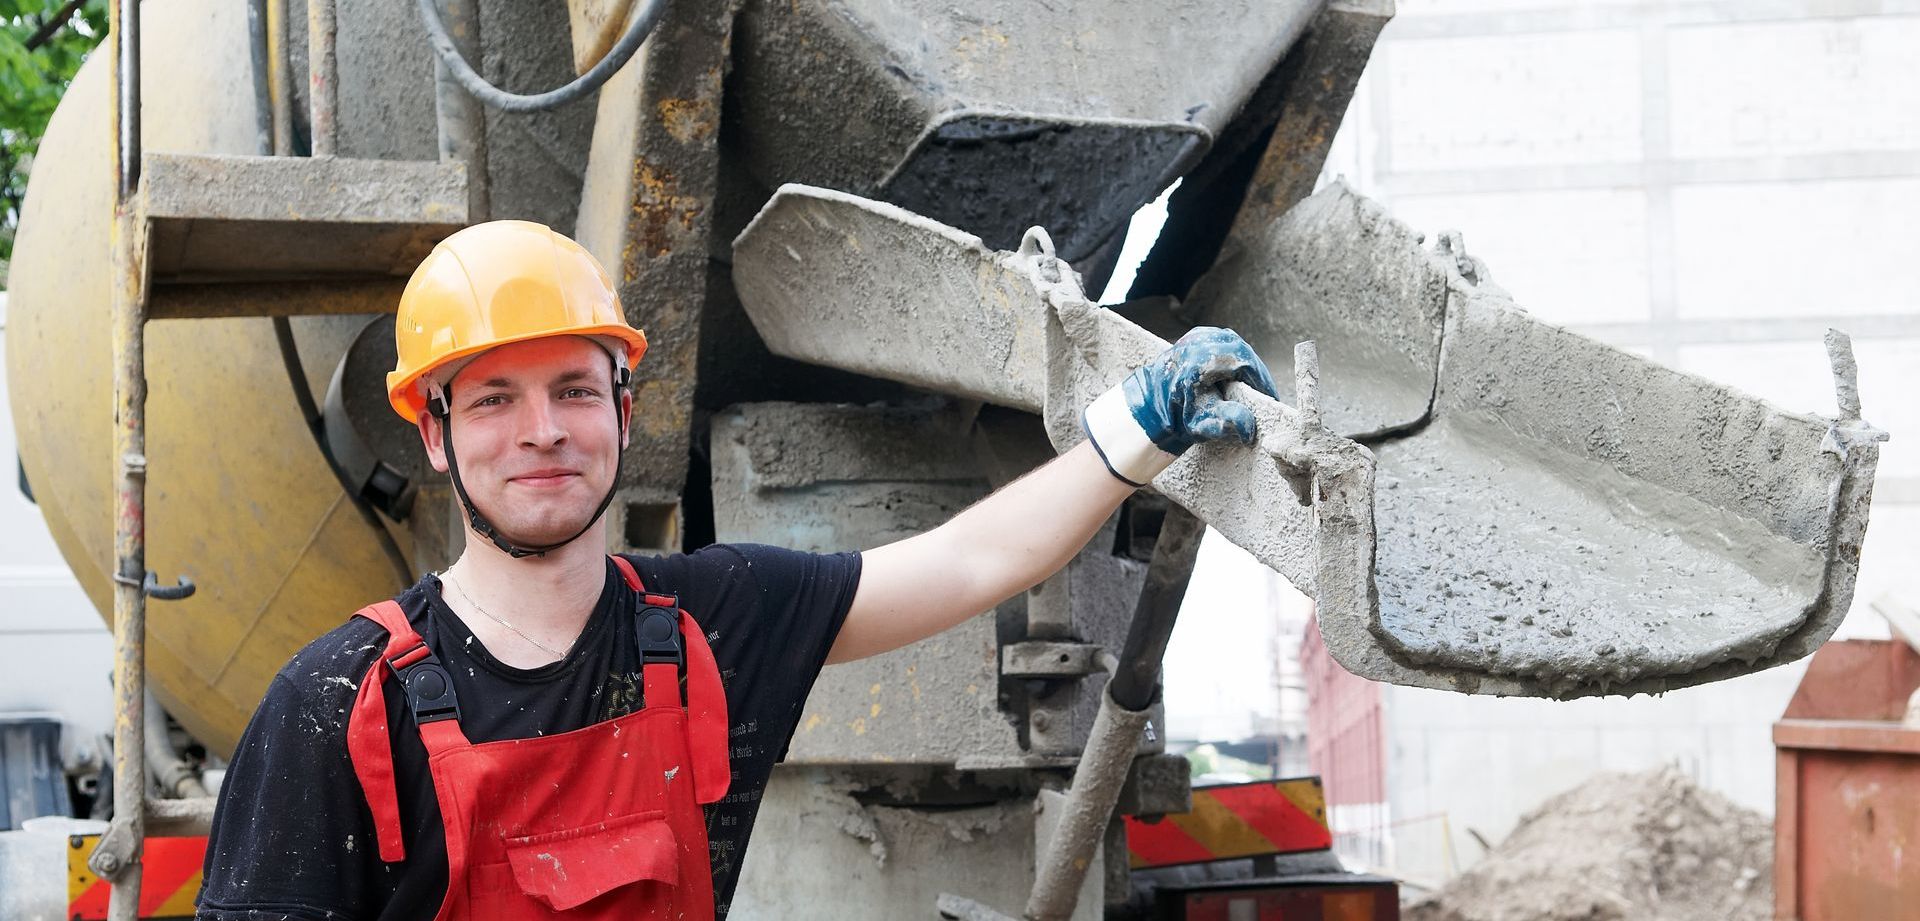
(430, 439)
(626, 418)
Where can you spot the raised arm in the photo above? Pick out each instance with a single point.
(1023, 533)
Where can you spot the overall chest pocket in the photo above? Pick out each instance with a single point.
(566, 869)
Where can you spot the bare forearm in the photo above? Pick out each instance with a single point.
(1002, 545)
(1030, 529)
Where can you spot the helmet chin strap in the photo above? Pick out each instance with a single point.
(439, 403)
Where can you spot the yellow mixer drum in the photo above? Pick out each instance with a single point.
(239, 497)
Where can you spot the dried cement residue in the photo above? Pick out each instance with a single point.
(1633, 847)
(1564, 572)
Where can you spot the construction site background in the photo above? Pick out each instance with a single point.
(1711, 184)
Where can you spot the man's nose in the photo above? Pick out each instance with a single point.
(541, 428)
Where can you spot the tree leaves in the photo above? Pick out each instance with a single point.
(31, 83)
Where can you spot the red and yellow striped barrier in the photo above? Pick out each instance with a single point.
(1236, 820)
(169, 878)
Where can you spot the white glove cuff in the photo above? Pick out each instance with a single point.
(1129, 454)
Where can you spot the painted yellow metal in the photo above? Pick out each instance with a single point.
(596, 26)
(238, 496)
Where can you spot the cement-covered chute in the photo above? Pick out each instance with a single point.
(1551, 516)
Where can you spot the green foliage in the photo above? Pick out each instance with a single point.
(31, 81)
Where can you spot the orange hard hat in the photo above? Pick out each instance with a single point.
(496, 283)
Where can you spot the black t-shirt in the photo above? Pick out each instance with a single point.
(293, 836)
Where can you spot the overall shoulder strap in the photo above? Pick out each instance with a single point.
(706, 695)
(706, 716)
(368, 743)
(436, 711)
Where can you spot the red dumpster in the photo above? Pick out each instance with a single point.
(1847, 818)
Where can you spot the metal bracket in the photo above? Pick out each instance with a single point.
(955, 908)
(183, 587)
(1043, 659)
(115, 853)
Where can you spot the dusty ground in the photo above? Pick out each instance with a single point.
(1633, 847)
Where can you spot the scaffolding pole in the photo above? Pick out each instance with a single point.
(118, 856)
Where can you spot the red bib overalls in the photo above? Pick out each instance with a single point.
(600, 823)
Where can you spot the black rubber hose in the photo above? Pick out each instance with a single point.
(644, 19)
(310, 411)
(1133, 682)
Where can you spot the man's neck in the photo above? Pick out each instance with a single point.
(546, 598)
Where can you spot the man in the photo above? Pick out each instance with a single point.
(546, 731)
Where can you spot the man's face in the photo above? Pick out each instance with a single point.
(535, 435)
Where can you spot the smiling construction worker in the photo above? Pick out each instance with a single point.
(544, 730)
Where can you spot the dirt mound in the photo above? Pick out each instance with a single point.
(1633, 847)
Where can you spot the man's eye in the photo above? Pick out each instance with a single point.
(494, 400)
(576, 393)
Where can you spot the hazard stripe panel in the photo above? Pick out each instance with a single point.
(1235, 820)
(169, 878)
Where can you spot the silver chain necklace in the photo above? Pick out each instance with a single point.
(556, 653)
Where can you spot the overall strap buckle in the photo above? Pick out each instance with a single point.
(658, 629)
(428, 685)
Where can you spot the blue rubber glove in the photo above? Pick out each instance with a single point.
(1175, 400)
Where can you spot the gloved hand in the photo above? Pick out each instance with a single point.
(1163, 408)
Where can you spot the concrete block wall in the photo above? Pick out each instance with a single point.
(1711, 184)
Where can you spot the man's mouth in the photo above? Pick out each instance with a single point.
(544, 478)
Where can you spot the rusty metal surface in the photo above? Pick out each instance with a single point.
(1848, 788)
(646, 212)
(1847, 735)
(1856, 817)
(1846, 821)
(118, 858)
(323, 77)
(1856, 680)
(1285, 128)
(1318, 79)
(279, 80)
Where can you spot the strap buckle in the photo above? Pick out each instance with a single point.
(658, 630)
(428, 685)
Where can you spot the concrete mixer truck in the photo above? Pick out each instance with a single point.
(860, 236)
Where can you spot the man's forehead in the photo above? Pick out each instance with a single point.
(544, 360)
